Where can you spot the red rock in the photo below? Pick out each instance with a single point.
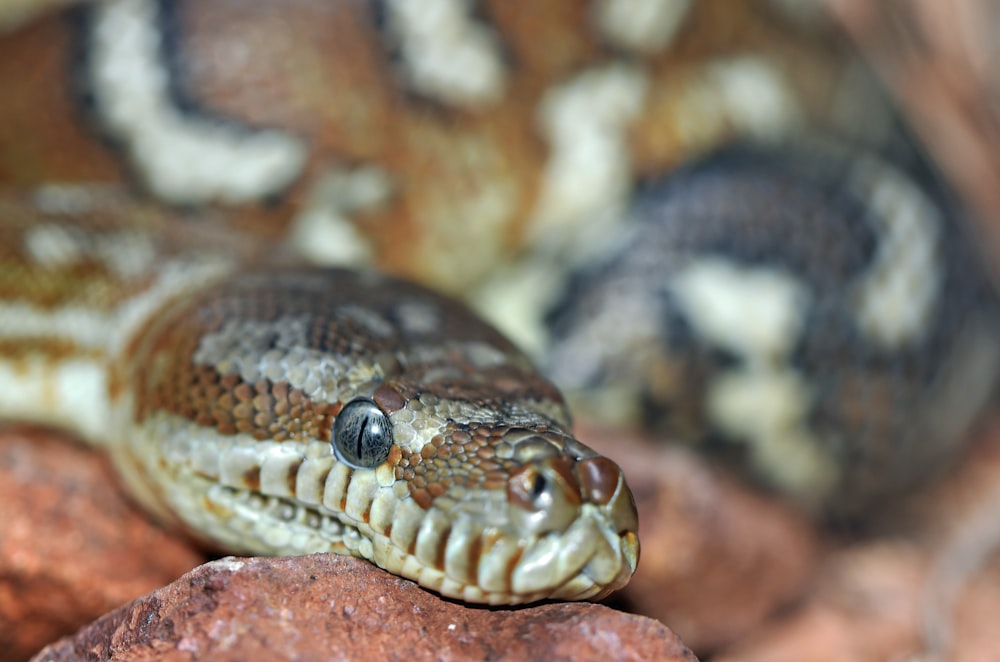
(874, 603)
(71, 546)
(716, 559)
(333, 607)
(864, 608)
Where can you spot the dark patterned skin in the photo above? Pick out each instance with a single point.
(827, 251)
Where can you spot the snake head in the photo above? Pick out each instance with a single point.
(303, 411)
(579, 508)
(498, 512)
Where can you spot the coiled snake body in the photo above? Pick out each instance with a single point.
(488, 151)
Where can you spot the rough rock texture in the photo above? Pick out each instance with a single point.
(71, 546)
(330, 607)
(716, 558)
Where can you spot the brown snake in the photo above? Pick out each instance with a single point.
(487, 152)
(293, 410)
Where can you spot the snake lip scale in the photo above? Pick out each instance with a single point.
(222, 385)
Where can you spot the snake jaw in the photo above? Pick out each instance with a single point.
(563, 527)
(571, 536)
(500, 562)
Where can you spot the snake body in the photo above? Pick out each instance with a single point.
(490, 150)
(217, 388)
(810, 313)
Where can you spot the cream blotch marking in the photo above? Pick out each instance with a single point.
(644, 26)
(757, 99)
(895, 298)
(74, 392)
(587, 177)
(746, 95)
(584, 122)
(279, 350)
(447, 55)
(758, 315)
(183, 158)
(324, 231)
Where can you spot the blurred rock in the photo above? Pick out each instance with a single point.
(874, 602)
(71, 546)
(716, 558)
(864, 608)
(327, 606)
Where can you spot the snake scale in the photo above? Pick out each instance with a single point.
(813, 308)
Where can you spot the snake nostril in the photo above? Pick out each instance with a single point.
(544, 495)
(526, 488)
(538, 486)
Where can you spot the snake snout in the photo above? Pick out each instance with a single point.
(544, 495)
(568, 498)
(559, 477)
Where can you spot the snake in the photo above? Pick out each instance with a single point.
(295, 410)
(558, 168)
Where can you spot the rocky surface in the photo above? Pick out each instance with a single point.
(876, 602)
(330, 607)
(71, 546)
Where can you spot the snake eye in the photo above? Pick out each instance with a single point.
(362, 434)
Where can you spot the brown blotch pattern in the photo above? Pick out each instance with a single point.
(266, 410)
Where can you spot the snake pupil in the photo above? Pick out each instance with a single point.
(362, 434)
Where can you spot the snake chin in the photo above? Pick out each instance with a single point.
(482, 565)
(472, 563)
(490, 564)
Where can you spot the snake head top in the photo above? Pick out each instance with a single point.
(299, 411)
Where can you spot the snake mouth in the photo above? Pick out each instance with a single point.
(462, 560)
(454, 555)
(583, 562)
(564, 528)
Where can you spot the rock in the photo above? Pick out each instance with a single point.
(865, 607)
(326, 606)
(71, 546)
(716, 558)
(873, 602)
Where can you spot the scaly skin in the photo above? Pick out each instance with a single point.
(215, 385)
